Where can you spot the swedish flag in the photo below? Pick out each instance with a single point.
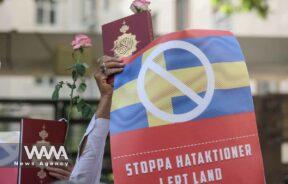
(181, 77)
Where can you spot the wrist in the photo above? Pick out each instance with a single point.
(102, 115)
(104, 106)
(106, 97)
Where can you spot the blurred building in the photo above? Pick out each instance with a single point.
(169, 15)
(174, 15)
(47, 15)
(35, 38)
(257, 36)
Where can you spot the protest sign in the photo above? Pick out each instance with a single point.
(182, 112)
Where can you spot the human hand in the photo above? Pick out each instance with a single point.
(60, 172)
(107, 66)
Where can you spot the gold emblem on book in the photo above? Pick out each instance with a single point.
(42, 174)
(43, 134)
(125, 44)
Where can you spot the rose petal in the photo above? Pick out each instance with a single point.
(81, 40)
(141, 5)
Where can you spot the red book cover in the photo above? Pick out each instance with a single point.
(128, 35)
(38, 133)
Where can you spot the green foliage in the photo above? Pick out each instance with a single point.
(71, 86)
(55, 95)
(74, 75)
(229, 7)
(75, 100)
(87, 111)
(84, 108)
(80, 69)
(82, 87)
(78, 72)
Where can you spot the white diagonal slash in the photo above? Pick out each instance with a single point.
(202, 103)
(177, 83)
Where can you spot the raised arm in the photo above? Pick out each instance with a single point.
(89, 161)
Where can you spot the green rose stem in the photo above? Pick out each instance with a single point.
(71, 100)
(80, 42)
(73, 87)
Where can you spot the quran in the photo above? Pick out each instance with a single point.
(47, 137)
(126, 36)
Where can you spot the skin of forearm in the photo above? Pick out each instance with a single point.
(104, 106)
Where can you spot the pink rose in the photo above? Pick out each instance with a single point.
(140, 5)
(81, 41)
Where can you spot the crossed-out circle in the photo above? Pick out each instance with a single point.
(202, 103)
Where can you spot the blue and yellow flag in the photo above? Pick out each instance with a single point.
(182, 112)
(225, 69)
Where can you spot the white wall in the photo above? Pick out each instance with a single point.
(20, 15)
(165, 16)
(202, 17)
(163, 9)
(15, 14)
(111, 13)
(25, 86)
(245, 24)
(275, 25)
